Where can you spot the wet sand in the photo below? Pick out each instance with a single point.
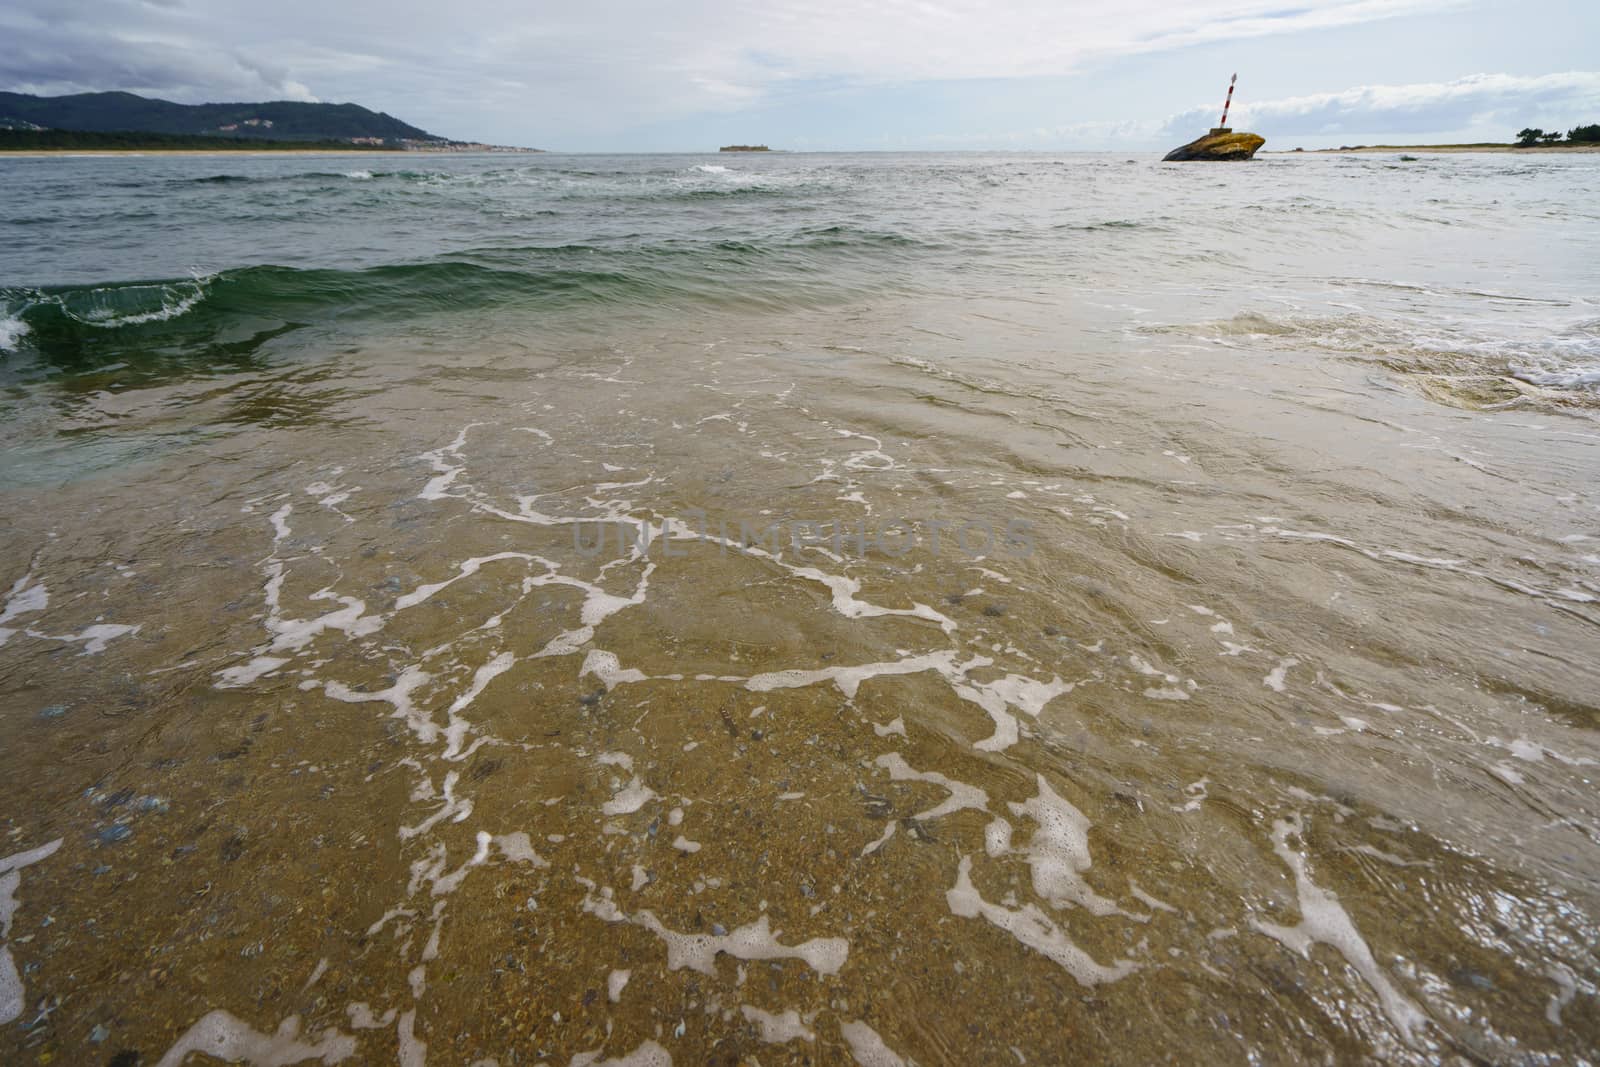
(388, 750)
(515, 687)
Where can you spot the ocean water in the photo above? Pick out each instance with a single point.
(800, 609)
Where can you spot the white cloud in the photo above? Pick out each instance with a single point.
(1498, 103)
(1478, 107)
(71, 51)
(604, 64)
(505, 69)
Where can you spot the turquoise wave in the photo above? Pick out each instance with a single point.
(80, 326)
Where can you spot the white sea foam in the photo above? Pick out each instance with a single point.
(12, 330)
(224, 1036)
(753, 941)
(413, 1050)
(1012, 691)
(12, 998)
(605, 666)
(1563, 360)
(176, 299)
(1566, 990)
(456, 731)
(93, 638)
(293, 635)
(257, 668)
(845, 602)
(629, 799)
(961, 795)
(1275, 680)
(1034, 929)
(26, 597)
(598, 605)
(997, 838)
(601, 605)
(29, 597)
(518, 848)
(648, 1054)
(465, 569)
(398, 695)
(430, 871)
(1059, 851)
(454, 808)
(883, 839)
(778, 1029)
(1147, 900)
(1195, 794)
(1572, 376)
(849, 679)
(867, 1048)
(1323, 919)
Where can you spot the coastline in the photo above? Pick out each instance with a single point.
(233, 153)
(230, 152)
(1440, 149)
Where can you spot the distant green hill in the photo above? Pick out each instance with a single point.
(281, 120)
(94, 141)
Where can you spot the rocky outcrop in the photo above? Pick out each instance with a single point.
(1220, 143)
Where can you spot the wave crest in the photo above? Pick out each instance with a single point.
(1563, 360)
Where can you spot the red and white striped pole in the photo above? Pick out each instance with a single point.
(1227, 103)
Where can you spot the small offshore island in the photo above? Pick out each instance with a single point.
(744, 148)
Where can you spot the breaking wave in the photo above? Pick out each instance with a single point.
(804, 268)
(1563, 359)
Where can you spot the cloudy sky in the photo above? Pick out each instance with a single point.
(642, 75)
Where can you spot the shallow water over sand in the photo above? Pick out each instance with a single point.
(998, 647)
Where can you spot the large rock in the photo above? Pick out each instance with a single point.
(1220, 143)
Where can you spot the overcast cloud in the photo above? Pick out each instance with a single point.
(1475, 102)
(636, 73)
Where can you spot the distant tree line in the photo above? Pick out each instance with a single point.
(1579, 135)
(37, 140)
